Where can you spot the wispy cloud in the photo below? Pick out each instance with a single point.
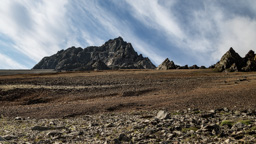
(36, 27)
(205, 31)
(8, 63)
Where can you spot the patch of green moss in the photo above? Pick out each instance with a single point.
(253, 128)
(188, 129)
(176, 113)
(227, 122)
(246, 122)
(224, 113)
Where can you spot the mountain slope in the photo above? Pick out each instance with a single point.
(114, 54)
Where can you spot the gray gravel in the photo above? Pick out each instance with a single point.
(186, 126)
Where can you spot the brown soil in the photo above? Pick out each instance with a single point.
(77, 93)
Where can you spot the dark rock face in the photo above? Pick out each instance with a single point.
(250, 61)
(232, 61)
(114, 54)
(166, 64)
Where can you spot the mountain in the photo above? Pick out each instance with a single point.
(114, 54)
(166, 64)
(232, 61)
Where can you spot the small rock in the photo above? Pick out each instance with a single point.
(54, 134)
(110, 125)
(178, 133)
(18, 118)
(9, 137)
(212, 111)
(123, 137)
(237, 113)
(2, 139)
(146, 121)
(227, 141)
(238, 135)
(163, 115)
(211, 127)
(170, 135)
(40, 128)
(237, 126)
(225, 109)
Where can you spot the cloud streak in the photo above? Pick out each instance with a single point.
(35, 27)
(9, 63)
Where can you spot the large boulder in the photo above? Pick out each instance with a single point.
(166, 65)
(114, 54)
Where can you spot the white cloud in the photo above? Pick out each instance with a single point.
(7, 63)
(157, 16)
(239, 33)
(35, 27)
(209, 32)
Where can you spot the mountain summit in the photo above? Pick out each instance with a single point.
(114, 54)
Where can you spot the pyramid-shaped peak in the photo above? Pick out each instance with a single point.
(231, 53)
(231, 50)
(166, 64)
(166, 60)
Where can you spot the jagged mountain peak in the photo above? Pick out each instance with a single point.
(113, 54)
(232, 61)
(166, 64)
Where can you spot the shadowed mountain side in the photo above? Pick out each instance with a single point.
(114, 54)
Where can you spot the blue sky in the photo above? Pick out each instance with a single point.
(187, 32)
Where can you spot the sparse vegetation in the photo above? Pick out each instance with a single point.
(227, 122)
(246, 122)
(188, 129)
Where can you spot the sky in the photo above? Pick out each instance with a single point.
(185, 31)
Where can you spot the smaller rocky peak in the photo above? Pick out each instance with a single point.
(232, 61)
(166, 64)
(250, 55)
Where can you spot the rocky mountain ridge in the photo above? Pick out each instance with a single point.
(231, 61)
(167, 64)
(114, 54)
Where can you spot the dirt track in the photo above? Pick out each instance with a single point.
(71, 94)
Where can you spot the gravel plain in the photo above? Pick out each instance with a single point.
(199, 106)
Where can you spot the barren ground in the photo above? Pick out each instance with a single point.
(76, 93)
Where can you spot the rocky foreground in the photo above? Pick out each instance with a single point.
(187, 126)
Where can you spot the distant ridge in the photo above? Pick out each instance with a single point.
(114, 54)
(232, 61)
